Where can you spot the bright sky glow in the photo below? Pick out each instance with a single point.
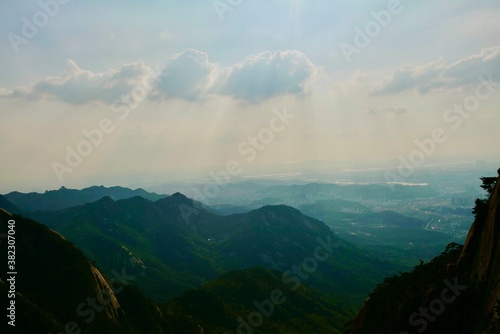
(181, 85)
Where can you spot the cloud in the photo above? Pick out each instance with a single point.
(441, 75)
(188, 75)
(386, 110)
(191, 76)
(77, 86)
(267, 75)
(4, 92)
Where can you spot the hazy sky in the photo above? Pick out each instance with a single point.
(176, 89)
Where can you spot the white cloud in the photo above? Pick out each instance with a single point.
(77, 86)
(386, 110)
(442, 75)
(4, 92)
(191, 76)
(188, 76)
(267, 75)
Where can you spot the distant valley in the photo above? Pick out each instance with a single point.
(321, 247)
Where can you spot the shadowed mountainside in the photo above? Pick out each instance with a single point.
(59, 290)
(173, 244)
(457, 292)
(258, 301)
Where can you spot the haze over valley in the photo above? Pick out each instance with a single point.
(250, 167)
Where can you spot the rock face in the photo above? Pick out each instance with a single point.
(58, 290)
(55, 282)
(416, 302)
(481, 254)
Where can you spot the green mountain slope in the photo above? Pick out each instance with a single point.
(258, 301)
(58, 290)
(173, 244)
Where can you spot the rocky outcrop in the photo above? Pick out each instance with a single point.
(481, 254)
(417, 302)
(54, 278)
(58, 290)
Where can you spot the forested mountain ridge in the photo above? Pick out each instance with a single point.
(179, 243)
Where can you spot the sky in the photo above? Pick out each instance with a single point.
(131, 92)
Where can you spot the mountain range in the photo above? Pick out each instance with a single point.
(62, 198)
(168, 264)
(169, 246)
(175, 244)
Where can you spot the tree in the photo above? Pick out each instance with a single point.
(489, 184)
(480, 209)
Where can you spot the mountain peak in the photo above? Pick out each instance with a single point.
(106, 199)
(286, 217)
(177, 199)
(179, 196)
(104, 203)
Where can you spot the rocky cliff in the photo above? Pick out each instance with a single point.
(481, 258)
(457, 292)
(55, 289)
(54, 282)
